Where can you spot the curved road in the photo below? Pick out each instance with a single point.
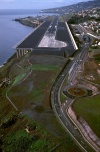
(60, 110)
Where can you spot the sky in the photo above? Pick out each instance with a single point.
(36, 4)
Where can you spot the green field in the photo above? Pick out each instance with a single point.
(89, 109)
(19, 78)
(21, 141)
(38, 140)
(32, 96)
(39, 67)
(62, 98)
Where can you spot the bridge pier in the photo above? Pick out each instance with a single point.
(21, 52)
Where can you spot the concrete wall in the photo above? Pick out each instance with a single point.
(48, 51)
(42, 51)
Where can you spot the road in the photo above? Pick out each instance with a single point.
(60, 109)
(80, 59)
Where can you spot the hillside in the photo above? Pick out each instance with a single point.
(74, 8)
(27, 122)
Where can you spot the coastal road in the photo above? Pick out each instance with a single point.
(60, 109)
(77, 65)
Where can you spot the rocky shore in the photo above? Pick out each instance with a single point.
(31, 21)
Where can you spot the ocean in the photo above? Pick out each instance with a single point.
(12, 32)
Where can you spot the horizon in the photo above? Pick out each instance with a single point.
(36, 5)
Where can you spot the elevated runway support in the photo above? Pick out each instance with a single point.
(21, 52)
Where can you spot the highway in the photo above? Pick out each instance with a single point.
(77, 65)
(60, 109)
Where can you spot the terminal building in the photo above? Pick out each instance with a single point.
(49, 38)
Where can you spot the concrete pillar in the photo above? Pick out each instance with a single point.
(19, 53)
(22, 52)
(26, 52)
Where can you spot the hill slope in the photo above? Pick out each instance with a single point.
(74, 8)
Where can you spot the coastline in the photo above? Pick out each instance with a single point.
(25, 21)
(12, 57)
(2, 65)
(31, 21)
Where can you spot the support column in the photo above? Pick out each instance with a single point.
(22, 52)
(19, 53)
(25, 51)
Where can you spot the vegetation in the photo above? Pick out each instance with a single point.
(78, 19)
(19, 78)
(50, 18)
(37, 140)
(94, 47)
(97, 19)
(32, 96)
(9, 122)
(38, 94)
(17, 142)
(89, 109)
(39, 67)
(60, 18)
(66, 17)
(97, 58)
(62, 98)
(77, 91)
(77, 40)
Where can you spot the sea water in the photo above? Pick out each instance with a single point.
(12, 32)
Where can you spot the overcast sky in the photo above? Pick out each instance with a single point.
(35, 4)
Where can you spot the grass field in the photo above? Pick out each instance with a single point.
(61, 19)
(62, 98)
(38, 140)
(21, 141)
(32, 98)
(89, 109)
(19, 78)
(39, 67)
